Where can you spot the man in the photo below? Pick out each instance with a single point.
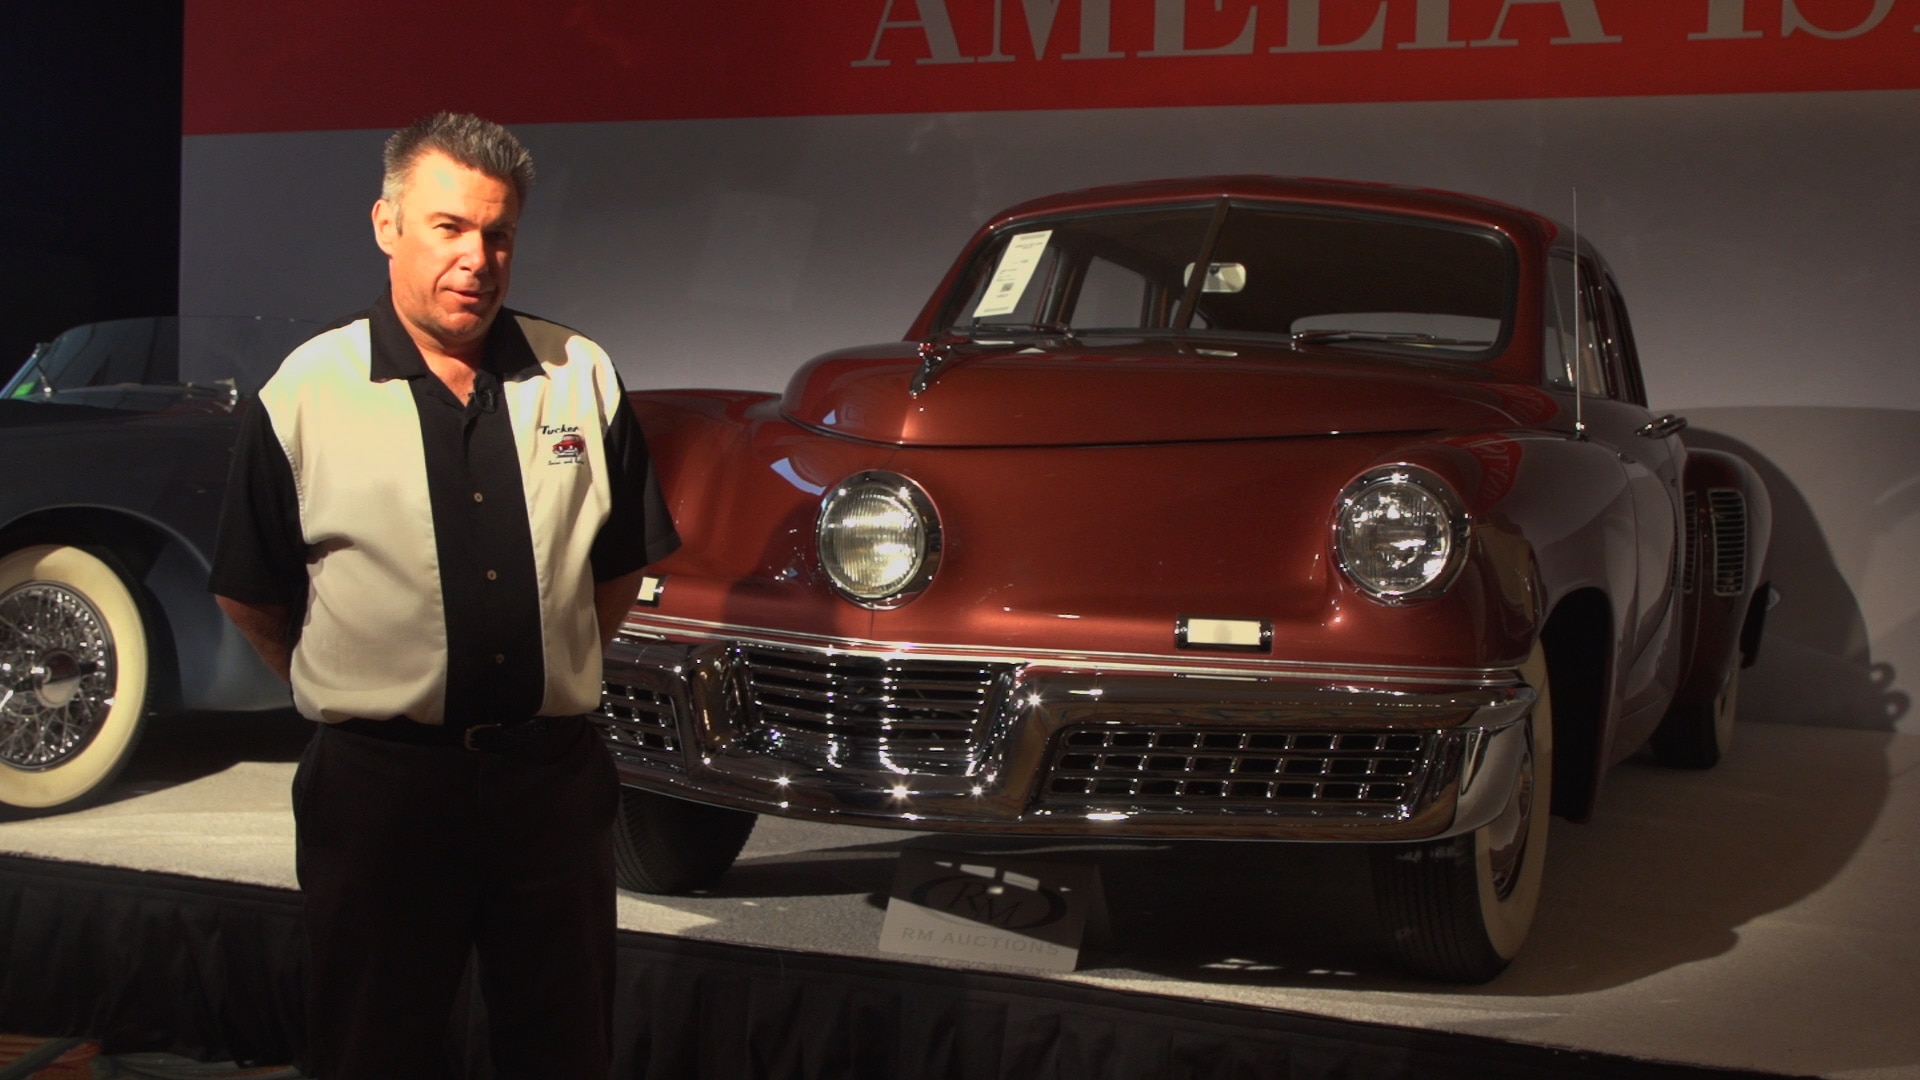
(438, 515)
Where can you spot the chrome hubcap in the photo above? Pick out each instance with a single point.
(56, 680)
(56, 675)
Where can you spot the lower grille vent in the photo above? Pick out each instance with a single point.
(1171, 768)
(899, 713)
(640, 726)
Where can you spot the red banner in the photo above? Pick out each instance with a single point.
(254, 66)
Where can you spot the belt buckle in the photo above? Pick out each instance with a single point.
(466, 737)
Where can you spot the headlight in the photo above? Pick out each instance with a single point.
(879, 538)
(1401, 533)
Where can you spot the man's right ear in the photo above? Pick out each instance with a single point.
(386, 224)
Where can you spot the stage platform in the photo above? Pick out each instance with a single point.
(1757, 918)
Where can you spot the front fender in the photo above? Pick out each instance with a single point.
(215, 666)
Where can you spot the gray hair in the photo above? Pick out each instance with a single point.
(480, 145)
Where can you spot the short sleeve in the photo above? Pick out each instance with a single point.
(639, 529)
(260, 556)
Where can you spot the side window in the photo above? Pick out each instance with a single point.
(1111, 296)
(1626, 356)
(1572, 354)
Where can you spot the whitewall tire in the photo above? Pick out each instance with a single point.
(1459, 909)
(73, 674)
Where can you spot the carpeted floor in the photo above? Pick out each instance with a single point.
(1757, 917)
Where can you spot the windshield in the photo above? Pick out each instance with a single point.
(1307, 275)
(153, 364)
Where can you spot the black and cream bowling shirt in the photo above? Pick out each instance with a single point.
(440, 555)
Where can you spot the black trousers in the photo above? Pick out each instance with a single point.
(413, 858)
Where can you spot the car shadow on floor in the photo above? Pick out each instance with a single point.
(177, 748)
(1672, 868)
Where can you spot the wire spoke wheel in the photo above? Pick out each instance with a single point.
(73, 675)
(57, 666)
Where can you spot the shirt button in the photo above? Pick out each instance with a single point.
(492, 576)
(477, 497)
(499, 658)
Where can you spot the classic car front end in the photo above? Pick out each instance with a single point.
(1302, 546)
(1063, 742)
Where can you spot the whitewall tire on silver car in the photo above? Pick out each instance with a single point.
(1459, 909)
(73, 674)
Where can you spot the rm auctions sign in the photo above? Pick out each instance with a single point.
(365, 63)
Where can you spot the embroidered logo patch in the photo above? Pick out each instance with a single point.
(569, 450)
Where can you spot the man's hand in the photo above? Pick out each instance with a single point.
(265, 628)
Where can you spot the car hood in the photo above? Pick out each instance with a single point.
(1026, 395)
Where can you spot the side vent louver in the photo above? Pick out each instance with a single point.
(1690, 550)
(1728, 510)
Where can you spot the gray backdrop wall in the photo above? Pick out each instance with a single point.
(1766, 243)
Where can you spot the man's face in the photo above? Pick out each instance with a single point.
(449, 244)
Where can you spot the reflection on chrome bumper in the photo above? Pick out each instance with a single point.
(898, 736)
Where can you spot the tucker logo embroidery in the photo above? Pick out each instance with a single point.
(569, 448)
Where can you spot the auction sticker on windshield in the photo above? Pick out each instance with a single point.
(1010, 278)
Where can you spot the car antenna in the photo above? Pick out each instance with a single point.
(1579, 366)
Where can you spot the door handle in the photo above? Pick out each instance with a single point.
(1663, 427)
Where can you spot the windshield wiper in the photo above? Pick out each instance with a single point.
(1391, 337)
(1041, 329)
(936, 357)
(219, 388)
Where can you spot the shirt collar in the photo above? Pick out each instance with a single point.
(508, 356)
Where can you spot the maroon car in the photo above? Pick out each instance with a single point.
(1230, 508)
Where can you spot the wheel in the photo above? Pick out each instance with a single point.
(666, 845)
(73, 675)
(1696, 733)
(1459, 909)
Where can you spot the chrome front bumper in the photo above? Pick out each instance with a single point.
(965, 740)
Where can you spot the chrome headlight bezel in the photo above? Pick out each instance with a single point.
(907, 498)
(1416, 483)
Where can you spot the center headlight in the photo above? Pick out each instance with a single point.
(879, 538)
(1401, 533)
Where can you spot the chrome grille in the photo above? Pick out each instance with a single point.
(640, 726)
(1176, 767)
(1728, 510)
(897, 713)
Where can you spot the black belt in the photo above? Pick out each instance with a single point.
(490, 737)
